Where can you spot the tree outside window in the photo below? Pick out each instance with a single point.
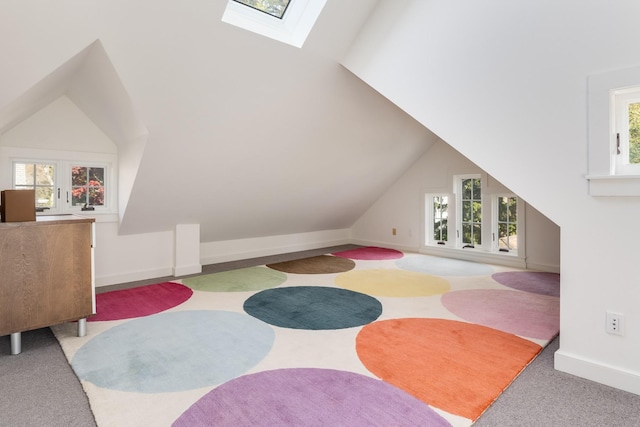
(87, 186)
(471, 221)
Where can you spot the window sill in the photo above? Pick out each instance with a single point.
(614, 185)
(476, 255)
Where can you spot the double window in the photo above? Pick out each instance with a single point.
(63, 186)
(457, 220)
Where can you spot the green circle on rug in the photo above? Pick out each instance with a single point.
(392, 283)
(323, 264)
(242, 280)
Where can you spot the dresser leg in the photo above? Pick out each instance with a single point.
(16, 343)
(82, 327)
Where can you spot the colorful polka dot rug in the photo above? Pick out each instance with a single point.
(364, 337)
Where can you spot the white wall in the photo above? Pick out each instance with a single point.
(402, 208)
(505, 83)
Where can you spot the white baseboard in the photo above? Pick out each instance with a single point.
(594, 371)
(133, 276)
(187, 269)
(234, 250)
(462, 254)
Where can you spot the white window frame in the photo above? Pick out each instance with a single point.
(457, 183)
(604, 176)
(63, 161)
(429, 229)
(495, 229)
(292, 29)
(620, 101)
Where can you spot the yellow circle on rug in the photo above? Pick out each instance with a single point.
(392, 283)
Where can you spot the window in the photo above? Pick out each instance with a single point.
(470, 229)
(612, 127)
(65, 186)
(626, 110)
(275, 8)
(261, 17)
(87, 186)
(39, 177)
(437, 207)
(506, 224)
(476, 217)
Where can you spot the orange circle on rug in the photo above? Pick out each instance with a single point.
(392, 283)
(458, 367)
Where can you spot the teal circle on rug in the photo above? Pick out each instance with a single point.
(443, 266)
(309, 397)
(313, 307)
(241, 280)
(174, 351)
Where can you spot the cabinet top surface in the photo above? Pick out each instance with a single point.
(49, 219)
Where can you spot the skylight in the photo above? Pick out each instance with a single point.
(275, 8)
(298, 17)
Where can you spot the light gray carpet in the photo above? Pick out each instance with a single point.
(39, 389)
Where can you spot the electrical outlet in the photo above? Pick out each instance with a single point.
(393, 231)
(615, 323)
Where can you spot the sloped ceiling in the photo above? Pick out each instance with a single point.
(247, 136)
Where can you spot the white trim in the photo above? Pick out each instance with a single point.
(133, 276)
(476, 255)
(592, 370)
(614, 185)
(234, 250)
(601, 134)
(292, 29)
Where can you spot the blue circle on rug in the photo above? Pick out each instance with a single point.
(313, 307)
(174, 351)
(309, 396)
(439, 266)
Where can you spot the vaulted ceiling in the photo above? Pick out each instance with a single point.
(244, 135)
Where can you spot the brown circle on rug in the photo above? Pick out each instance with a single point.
(323, 264)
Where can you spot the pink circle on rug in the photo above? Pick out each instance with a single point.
(537, 282)
(306, 397)
(370, 253)
(519, 313)
(140, 301)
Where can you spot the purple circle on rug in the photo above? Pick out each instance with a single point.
(536, 282)
(313, 307)
(370, 253)
(519, 313)
(308, 396)
(140, 301)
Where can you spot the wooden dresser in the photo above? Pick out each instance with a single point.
(46, 274)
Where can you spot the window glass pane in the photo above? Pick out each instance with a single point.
(466, 211)
(23, 174)
(466, 233)
(634, 133)
(78, 176)
(477, 234)
(44, 197)
(503, 210)
(272, 7)
(477, 211)
(96, 176)
(466, 189)
(44, 174)
(96, 196)
(39, 177)
(87, 186)
(440, 204)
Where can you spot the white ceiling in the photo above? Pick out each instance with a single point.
(244, 135)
